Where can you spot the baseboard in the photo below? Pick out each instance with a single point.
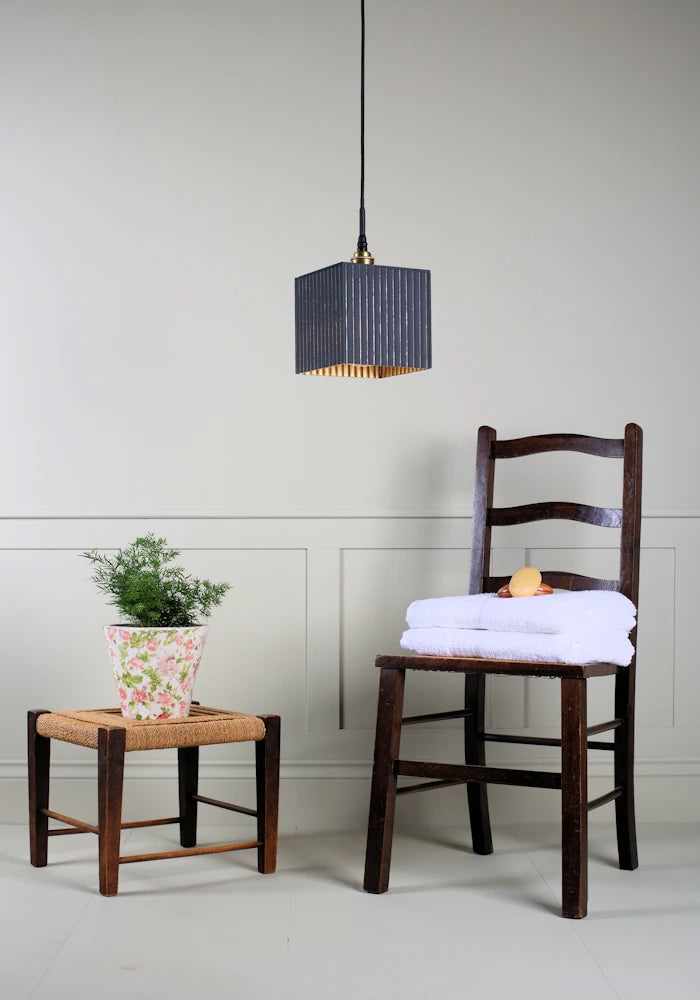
(334, 795)
(645, 767)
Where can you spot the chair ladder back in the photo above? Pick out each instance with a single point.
(483, 502)
(628, 517)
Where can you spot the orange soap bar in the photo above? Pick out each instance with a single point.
(525, 581)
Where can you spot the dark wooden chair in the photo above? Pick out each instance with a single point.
(575, 733)
(106, 731)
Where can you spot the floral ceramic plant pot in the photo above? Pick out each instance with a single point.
(155, 668)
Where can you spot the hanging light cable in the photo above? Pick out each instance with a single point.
(362, 254)
(358, 318)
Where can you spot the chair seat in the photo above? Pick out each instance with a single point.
(202, 727)
(517, 668)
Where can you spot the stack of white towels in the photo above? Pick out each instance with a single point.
(588, 626)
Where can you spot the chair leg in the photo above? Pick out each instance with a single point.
(574, 794)
(188, 782)
(39, 755)
(624, 770)
(111, 743)
(267, 775)
(383, 796)
(475, 753)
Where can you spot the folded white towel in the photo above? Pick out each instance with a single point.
(565, 647)
(555, 613)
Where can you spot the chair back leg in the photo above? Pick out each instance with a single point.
(383, 796)
(475, 753)
(39, 755)
(188, 784)
(111, 744)
(267, 772)
(574, 798)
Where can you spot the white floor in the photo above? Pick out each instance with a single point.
(452, 925)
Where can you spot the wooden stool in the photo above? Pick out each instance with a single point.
(108, 732)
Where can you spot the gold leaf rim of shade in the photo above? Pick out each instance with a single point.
(363, 371)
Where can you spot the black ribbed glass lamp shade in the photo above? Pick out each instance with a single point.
(363, 320)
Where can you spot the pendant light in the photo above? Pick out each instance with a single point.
(358, 318)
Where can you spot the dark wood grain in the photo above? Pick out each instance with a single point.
(111, 744)
(414, 720)
(625, 683)
(603, 800)
(267, 781)
(631, 513)
(475, 753)
(537, 444)
(226, 805)
(541, 741)
(38, 758)
(558, 580)
(188, 784)
(574, 799)
(82, 827)
(166, 821)
(192, 852)
(78, 824)
(428, 786)
(474, 772)
(625, 821)
(575, 740)
(380, 828)
(515, 668)
(483, 501)
(604, 727)
(603, 517)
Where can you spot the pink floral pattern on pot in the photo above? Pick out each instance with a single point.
(155, 668)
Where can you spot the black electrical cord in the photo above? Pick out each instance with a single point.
(362, 240)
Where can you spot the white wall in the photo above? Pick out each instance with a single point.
(167, 168)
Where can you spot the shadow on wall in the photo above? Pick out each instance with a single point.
(439, 482)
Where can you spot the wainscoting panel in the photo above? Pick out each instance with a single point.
(314, 600)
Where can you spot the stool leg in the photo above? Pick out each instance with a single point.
(111, 744)
(574, 798)
(39, 755)
(382, 804)
(267, 775)
(188, 777)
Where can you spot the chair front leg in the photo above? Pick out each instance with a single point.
(475, 753)
(39, 756)
(383, 796)
(574, 795)
(111, 743)
(624, 770)
(267, 772)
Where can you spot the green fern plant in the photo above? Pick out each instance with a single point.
(149, 591)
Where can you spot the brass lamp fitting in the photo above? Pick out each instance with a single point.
(362, 257)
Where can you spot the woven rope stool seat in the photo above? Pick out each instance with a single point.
(112, 736)
(203, 727)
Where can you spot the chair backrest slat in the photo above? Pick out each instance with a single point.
(559, 580)
(539, 443)
(604, 517)
(627, 518)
